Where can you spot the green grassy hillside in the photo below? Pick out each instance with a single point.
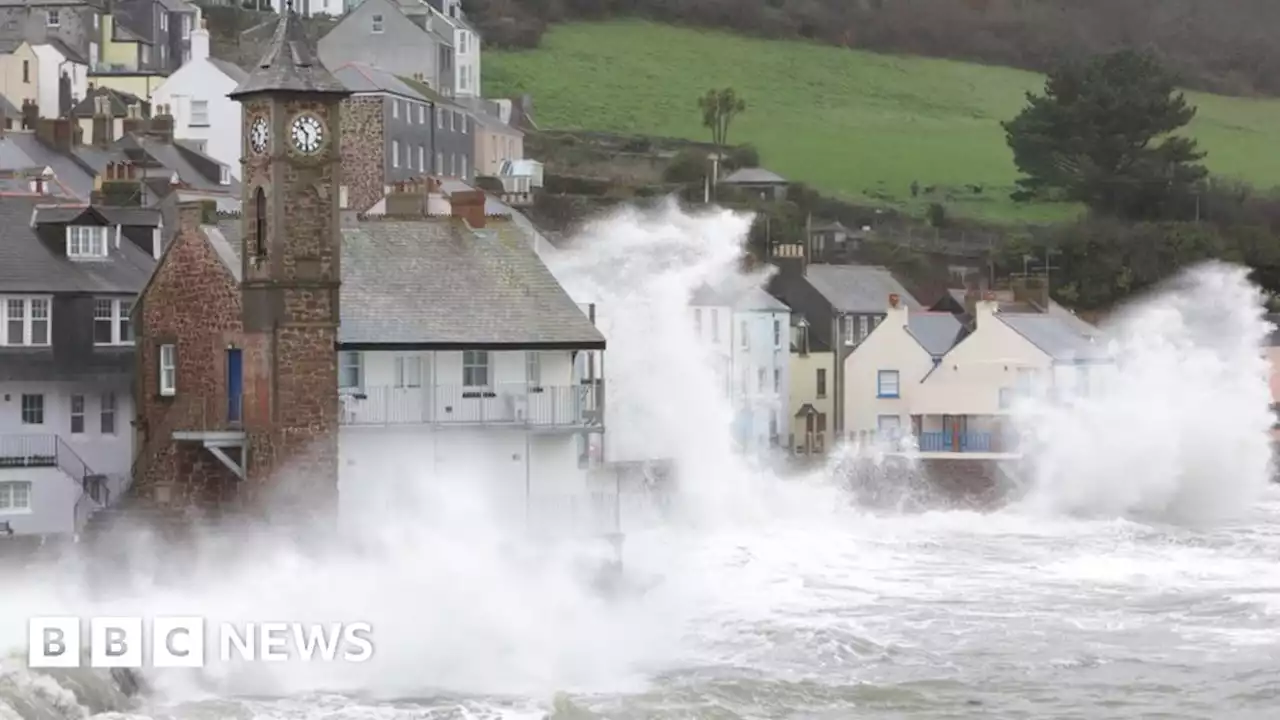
(854, 124)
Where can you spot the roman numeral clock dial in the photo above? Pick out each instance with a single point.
(258, 135)
(307, 133)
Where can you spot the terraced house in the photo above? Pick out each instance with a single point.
(68, 276)
(309, 359)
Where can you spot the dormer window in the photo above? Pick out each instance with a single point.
(87, 241)
(225, 177)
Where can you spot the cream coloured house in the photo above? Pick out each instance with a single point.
(916, 375)
(812, 395)
(19, 74)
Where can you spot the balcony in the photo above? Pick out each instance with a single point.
(955, 442)
(506, 405)
(28, 451)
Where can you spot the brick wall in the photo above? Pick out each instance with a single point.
(194, 303)
(363, 152)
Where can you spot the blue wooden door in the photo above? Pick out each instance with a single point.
(235, 385)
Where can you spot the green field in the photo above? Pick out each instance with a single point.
(854, 124)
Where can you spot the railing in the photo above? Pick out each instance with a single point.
(28, 451)
(957, 442)
(808, 443)
(512, 404)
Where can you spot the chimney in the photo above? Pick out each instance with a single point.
(30, 115)
(133, 121)
(162, 124)
(985, 308)
(789, 258)
(1031, 290)
(200, 42)
(120, 186)
(407, 199)
(190, 214)
(468, 205)
(102, 122)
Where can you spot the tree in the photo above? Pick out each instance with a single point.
(719, 107)
(1101, 135)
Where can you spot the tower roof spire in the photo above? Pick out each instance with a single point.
(290, 64)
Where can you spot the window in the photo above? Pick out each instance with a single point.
(164, 21)
(26, 321)
(32, 409)
(864, 327)
(847, 330)
(409, 371)
(462, 42)
(453, 164)
(715, 325)
(395, 108)
(422, 158)
(224, 175)
(464, 166)
(746, 336)
(777, 380)
(377, 24)
(15, 495)
(462, 123)
(777, 333)
(821, 383)
(87, 241)
(439, 169)
(146, 54)
(200, 113)
(533, 369)
(77, 414)
(887, 384)
(26, 71)
(186, 27)
(349, 370)
(422, 114)
(890, 424)
(108, 414)
(53, 18)
(1006, 398)
(439, 119)
(111, 324)
(395, 153)
(260, 223)
(762, 379)
(475, 368)
(168, 370)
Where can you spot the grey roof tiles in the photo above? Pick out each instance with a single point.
(31, 263)
(858, 288)
(290, 64)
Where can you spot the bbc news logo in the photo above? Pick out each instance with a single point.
(119, 642)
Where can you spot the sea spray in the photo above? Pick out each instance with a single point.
(1179, 428)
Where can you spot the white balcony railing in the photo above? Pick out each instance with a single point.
(514, 404)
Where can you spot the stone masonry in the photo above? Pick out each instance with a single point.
(192, 302)
(363, 152)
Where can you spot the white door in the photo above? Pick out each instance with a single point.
(408, 402)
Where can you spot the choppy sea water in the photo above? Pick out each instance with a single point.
(940, 615)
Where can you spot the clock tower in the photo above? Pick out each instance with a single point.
(291, 257)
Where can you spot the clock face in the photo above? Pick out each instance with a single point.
(307, 133)
(258, 134)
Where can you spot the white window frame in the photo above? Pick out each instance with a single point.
(888, 384)
(439, 118)
(199, 113)
(9, 494)
(164, 21)
(453, 121)
(107, 408)
(224, 177)
(29, 307)
(464, 167)
(77, 405)
(477, 365)
(53, 18)
(395, 108)
(167, 362)
(116, 313)
(422, 114)
(422, 158)
(350, 361)
(34, 402)
(395, 153)
(88, 241)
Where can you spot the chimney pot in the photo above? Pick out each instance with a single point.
(893, 300)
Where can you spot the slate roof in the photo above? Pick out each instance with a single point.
(230, 69)
(858, 288)
(364, 78)
(746, 297)
(9, 109)
(435, 281)
(159, 158)
(1058, 338)
(16, 145)
(28, 264)
(132, 216)
(290, 64)
(936, 332)
(753, 176)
